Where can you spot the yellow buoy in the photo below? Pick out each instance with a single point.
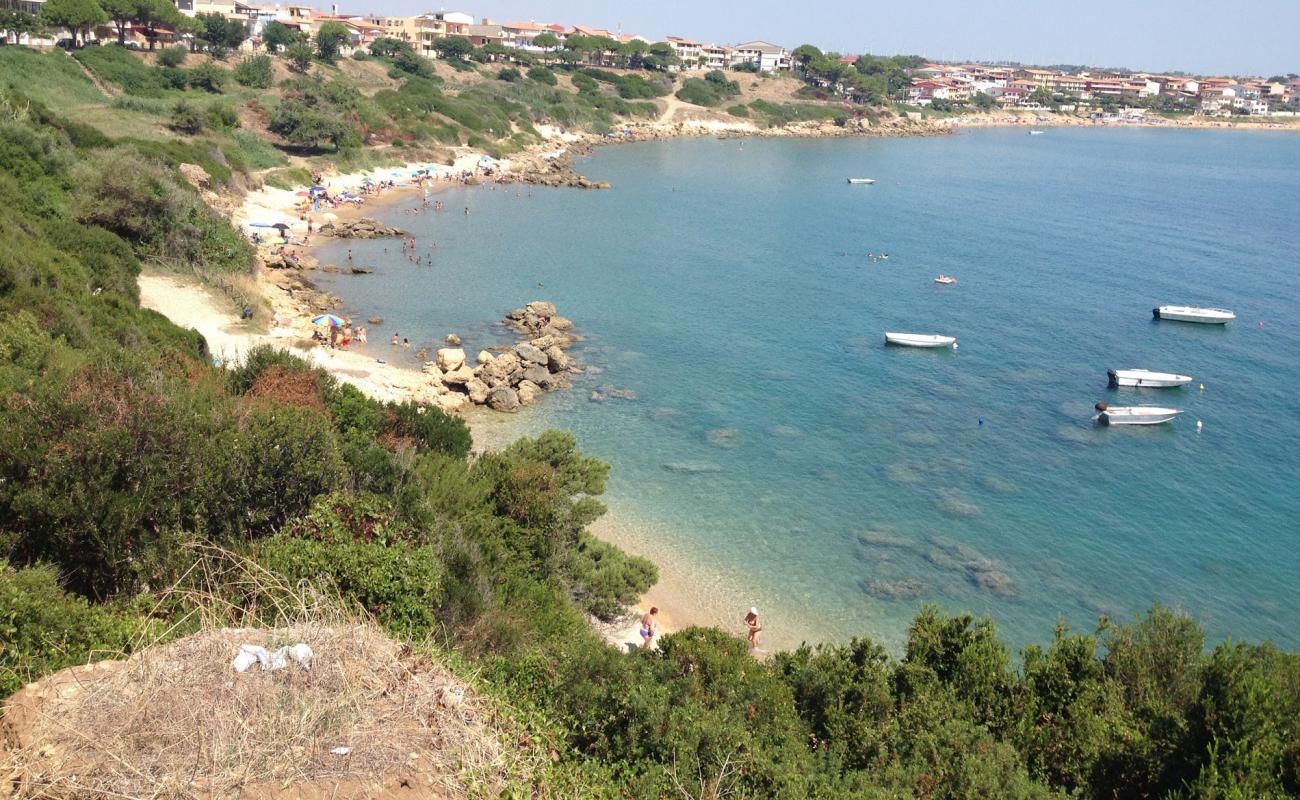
(1202, 387)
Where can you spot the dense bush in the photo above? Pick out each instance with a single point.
(44, 629)
(185, 118)
(208, 77)
(542, 75)
(172, 56)
(705, 92)
(510, 75)
(256, 72)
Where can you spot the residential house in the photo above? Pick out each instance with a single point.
(487, 33)
(924, 93)
(521, 34)
(715, 56)
(688, 51)
(766, 56)
(1039, 77)
(1011, 95)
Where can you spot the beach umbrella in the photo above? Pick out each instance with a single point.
(302, 194)
(328, 320)
(282, 226)
(330, 215)
(317, 190)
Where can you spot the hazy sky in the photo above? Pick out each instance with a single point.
(1242, 36)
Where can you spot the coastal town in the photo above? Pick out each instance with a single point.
(932, 85)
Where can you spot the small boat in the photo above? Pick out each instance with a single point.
(1211, 316)
(1146, 378)
(1035, 133)
(920, 340)
(946, 280)
(1135, 415)
(856, 181)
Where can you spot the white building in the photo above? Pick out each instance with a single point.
(766, 56)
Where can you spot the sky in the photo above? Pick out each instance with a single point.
(1199, 36)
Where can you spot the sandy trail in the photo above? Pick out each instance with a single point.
(192, 305)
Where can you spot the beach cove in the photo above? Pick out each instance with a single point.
(776, 455)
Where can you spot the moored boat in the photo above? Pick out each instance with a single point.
(1035, 133)
(946, 280)
(1135, 415)
(1146, 378)
(920, 340)
(1211, 316)
(862, 180)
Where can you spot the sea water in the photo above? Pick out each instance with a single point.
(778, 454)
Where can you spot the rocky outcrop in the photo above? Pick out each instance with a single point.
(363, 228)
(514, 377)
(550, 170)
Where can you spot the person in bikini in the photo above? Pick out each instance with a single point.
(755, 626)
(648, 625)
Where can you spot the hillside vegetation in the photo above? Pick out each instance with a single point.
(124, 456)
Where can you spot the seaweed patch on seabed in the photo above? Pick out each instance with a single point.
(920, 438)
(900, 589)
(955, 504)
(981, 571)
(902, 473)
(723, 437)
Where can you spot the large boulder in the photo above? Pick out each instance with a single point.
(561, 323)
(450, 358)
(528, 392)
(483, 357)
(558, 360)
(503, 398)
(452, 402)
(541, 308)
(531, 354)
(540, 376)
(478, 391)
(458, 376)
(453, 340)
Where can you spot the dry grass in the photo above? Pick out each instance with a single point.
(174, 720)
(298, 388)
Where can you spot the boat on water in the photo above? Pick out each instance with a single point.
(920, 340)
(1146, 378)
(862, 180)
(946, 280)
(1135, 415)
(1035, 133)
(1211, 316)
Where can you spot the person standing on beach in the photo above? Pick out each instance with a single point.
(755, 626)
(648, 626)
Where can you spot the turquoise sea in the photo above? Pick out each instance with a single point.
(777, 454)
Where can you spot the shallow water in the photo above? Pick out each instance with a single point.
(726, 284)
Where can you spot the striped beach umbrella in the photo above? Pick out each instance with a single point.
(328, 320)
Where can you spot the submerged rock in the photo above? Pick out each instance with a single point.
(693, 467)
(901, 589)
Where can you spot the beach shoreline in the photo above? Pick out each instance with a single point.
(291, 307)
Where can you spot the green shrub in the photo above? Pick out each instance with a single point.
(398, 585)
(44, 629)
(360, 55)
(510, 75)
(738, 111)
(172, 56)
(222, 116)
(256, 72)
(542, 75)
(186, 118)
(208, 77)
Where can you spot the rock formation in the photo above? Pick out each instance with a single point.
(363, 228)
(512, 378)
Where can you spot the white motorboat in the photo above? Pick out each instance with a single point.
(1212, 316)
(1146, 378)
(920, 340)
(1035, 133)
(1135, 415)
(858, 181)
(946, 280)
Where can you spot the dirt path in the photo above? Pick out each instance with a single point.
(107, 89)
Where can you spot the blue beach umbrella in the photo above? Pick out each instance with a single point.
(328, 320)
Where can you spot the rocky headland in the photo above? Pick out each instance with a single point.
(505, 379)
